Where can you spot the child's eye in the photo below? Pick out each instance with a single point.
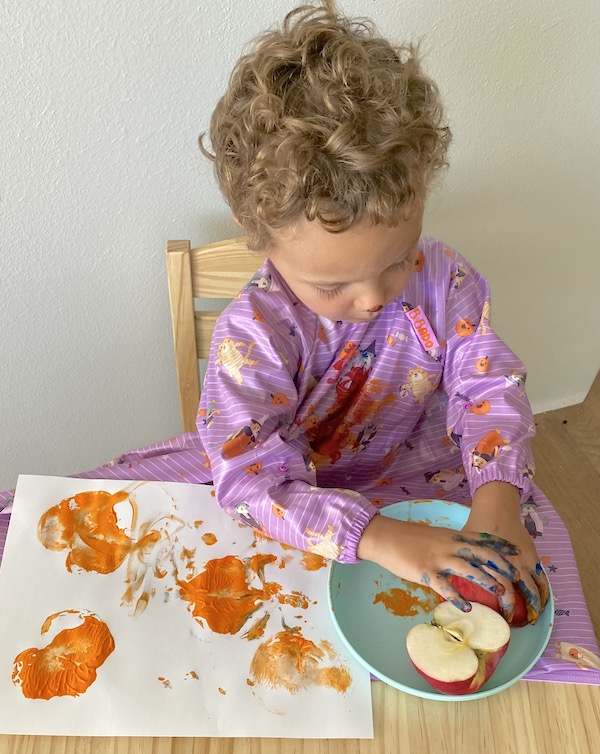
(403, 264)
(329, 292)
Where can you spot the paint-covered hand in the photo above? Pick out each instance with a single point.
(432, 555)
(495, 509)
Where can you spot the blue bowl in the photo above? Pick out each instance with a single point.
(377, 637)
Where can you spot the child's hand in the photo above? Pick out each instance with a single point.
(496, 509)
(493, 550)
(428, 555)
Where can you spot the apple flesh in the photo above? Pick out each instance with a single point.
(475, 593)
(458, 652)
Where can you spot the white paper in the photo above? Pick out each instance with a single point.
(169, 674)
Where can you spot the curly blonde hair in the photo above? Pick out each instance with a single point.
(325, 119)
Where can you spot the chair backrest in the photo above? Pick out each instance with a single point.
(215, 271)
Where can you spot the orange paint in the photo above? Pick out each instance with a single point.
(222, 595)
(403, 603)
(209, 538)
(295, 599)
(87, 525)
(188, 555)
(290, 661)
(222, 691)
(313, 562)
(257, 629)
(67, 665)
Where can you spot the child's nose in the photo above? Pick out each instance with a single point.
(371, 299)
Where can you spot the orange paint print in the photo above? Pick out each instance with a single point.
(67, 665)
(290, 661)
(209, 538)
(404, 603)
(87, 525)
(222, 596)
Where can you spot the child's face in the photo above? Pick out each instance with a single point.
(351, 275)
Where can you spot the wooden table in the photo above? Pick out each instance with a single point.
(528, 718)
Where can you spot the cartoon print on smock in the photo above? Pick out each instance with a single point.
(487, 449)
(515, 379)
(419, 384)
(457, 277)
(484, 322)
(246, 437)
(446, 480)
(208, 414)
(229, 356)
(260, 282)
(355, 405)
(583, 658)
(480, 408)
(531, 518)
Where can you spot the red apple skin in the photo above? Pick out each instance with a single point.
(475, 593)
(488, 662)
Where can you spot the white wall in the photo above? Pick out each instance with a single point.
(102, 102)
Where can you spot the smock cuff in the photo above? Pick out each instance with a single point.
(522, 482)
(362, 520)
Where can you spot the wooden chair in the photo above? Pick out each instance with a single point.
(214, 271)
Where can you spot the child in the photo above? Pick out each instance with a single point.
(358, 367)
(360, 359)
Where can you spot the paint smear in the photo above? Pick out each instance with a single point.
(288, 660)
(209, 538)
(257, 629)
(223, 597)
(67, 665)
(87, 525)
(404, 603)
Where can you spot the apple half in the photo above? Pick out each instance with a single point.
(475, 593)
(458, 652)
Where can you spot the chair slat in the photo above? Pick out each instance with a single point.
(220, 270)
(179, 276)
(205, 324)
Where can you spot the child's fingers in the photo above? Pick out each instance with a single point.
(532, 599)
(499, 564)
(443, 587)
(476, 576)
(541, 580)
(535, 591)
(488, 541)
(507, 604)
